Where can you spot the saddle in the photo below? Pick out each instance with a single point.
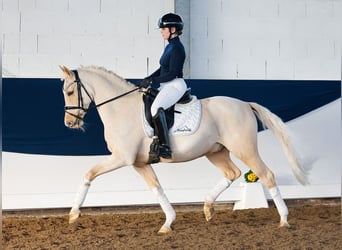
(148, 98)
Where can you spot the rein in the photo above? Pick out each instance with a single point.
(80, 86)
(114, 98)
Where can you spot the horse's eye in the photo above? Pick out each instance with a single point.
(70, 93)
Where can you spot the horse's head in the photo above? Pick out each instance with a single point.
(76, 97)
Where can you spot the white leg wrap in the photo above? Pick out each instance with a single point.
(165, 205)
(217, 190)
(81, 194)
(279, 202)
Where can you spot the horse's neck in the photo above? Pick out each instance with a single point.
(104, 85)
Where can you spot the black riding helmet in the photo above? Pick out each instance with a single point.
(171, 20)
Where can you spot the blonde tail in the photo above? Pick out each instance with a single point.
(278, 127)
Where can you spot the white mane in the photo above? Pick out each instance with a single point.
(110, 75)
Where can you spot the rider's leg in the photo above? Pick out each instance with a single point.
(160, 126)
(169, 94)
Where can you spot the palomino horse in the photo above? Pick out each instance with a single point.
(227, 126)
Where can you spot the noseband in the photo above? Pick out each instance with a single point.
(80, 106)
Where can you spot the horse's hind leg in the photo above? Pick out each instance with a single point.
(222, 160)
(151, 179)
(266, 176)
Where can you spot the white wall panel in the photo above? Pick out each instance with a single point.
(258, 36)
(212, 46)
(11, 22)
(32, 66)
(125, 65)
(321, 48)
(35, 21)
(253, 68)
(75, 32)
(237, 48)
(263, 8)
(109, 6)
(28, 44)
(27, 4)
(265, 48)
(47, 45)
(199, 28)
(320, 8)
(52, 5)
(85, 6)
(292, 50)
(233, 8)
(312, 68)
(10, 44)
(291, 9)
(313, 28)
(222, 32)
(218, 69)
(12, 65)
(200, 68)
(66, 23)
(279, 69)
(148, 46)
(10, 5)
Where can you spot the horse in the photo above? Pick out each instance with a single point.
(227, 126)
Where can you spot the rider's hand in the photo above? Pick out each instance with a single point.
(145, 83)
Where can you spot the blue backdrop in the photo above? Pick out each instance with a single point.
(33, 110)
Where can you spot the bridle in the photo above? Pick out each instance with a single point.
(80, 105)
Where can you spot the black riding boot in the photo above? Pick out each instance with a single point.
(161, 130)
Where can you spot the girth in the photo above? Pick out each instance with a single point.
(148, 98)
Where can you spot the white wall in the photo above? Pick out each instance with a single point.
(266, 39)
(39, 35)
(229, 39)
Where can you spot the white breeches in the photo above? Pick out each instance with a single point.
(169, 93)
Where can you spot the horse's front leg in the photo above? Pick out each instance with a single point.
(151, 179)
(110, 164)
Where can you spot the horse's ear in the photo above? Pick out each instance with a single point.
(66, 71)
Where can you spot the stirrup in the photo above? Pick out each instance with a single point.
(165, 152)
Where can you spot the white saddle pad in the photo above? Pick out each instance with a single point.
(186, 122)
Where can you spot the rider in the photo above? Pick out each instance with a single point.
(170, 77)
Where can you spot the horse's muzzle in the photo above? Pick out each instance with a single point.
(73, 121)
(74, 124)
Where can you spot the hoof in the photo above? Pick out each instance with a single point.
(284, 224)
(73, 217)
(209, 212)
(164, 230)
